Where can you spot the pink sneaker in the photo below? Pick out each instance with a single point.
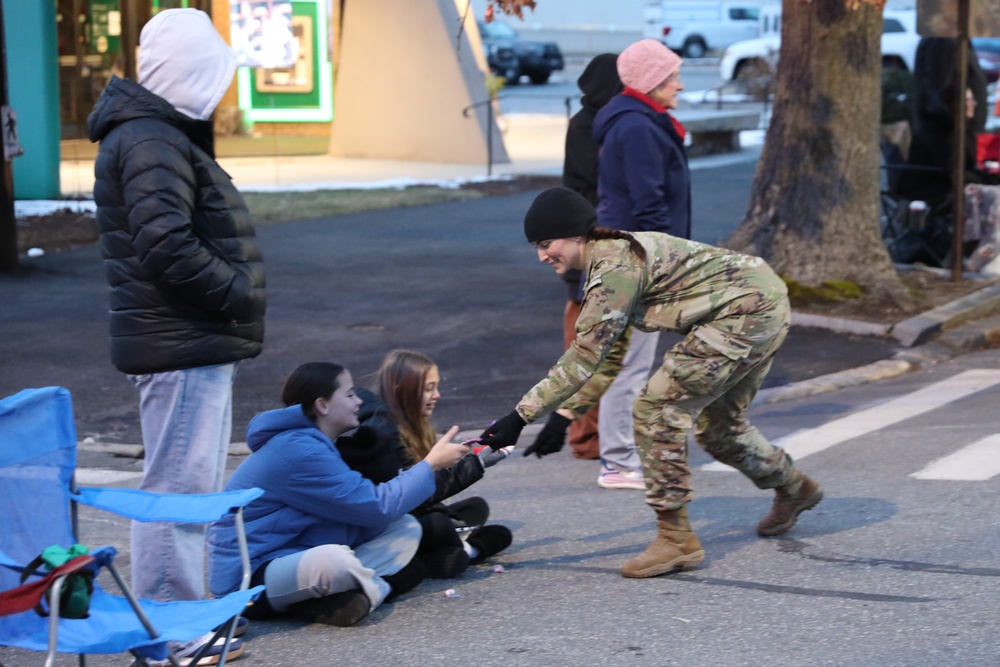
(613, 479)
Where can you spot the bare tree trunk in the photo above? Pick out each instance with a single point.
(814, 205)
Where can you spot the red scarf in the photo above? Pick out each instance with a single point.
(657, 107)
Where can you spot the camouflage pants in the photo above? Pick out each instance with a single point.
(698, 386)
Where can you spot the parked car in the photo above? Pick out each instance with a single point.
(988, 53)
(752, 57)
(502, 60)
(693, 28)
(536, 60)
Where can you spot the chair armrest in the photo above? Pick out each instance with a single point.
(145, 506)
(100, 556)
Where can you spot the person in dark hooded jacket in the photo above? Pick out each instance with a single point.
(185, 272)
(599, 83)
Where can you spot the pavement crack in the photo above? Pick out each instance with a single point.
(801, 548)
(800, 590)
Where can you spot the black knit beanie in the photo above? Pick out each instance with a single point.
(558, 213)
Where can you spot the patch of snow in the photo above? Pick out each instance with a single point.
(712, 95)
(28, 208)
(385, 184)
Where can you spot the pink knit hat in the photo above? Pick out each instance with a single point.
(646, 64)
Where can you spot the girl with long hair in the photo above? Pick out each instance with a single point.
(454, 535)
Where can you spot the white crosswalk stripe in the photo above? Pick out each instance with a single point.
(810, 441)
(976, 462)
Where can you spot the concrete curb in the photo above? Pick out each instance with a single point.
(824, 384)
(921, 328)
(135, 451)
(840, 324)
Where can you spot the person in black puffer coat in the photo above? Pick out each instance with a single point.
(393, 436)
(185, 272)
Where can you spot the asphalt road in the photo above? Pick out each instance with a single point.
(889, 570)
(455, 281)
(892, 569)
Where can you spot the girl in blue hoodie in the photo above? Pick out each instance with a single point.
(328, 544)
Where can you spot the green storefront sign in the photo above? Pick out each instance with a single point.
(105, 26)
(302, 92)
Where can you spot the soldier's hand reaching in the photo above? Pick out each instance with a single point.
(551, 438)
(503, 432)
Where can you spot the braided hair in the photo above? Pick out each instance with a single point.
(604, 233)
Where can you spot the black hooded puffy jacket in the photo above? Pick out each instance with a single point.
(180, 254)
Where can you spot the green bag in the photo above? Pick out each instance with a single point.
(74, 600)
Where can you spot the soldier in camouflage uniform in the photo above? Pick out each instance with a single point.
(734, 313)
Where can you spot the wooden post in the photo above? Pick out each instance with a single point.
(130, 39)
(958, 141)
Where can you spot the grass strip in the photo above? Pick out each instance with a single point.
(273, 207)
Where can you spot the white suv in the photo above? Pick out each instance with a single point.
(694, 27)
(753, 57)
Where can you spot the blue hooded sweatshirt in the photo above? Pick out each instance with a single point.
(643, 181)
(311, 497)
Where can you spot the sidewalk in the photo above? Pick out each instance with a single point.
(534, 142)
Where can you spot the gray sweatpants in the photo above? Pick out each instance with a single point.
(334, 568)
(616, 425)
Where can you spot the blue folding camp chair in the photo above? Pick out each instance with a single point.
(37, 503)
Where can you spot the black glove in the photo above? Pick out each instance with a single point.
(551, 438)
(503, 432)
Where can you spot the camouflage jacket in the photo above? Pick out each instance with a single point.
(732, 302)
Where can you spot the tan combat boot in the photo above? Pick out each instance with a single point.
(801, 493)
(675, 548)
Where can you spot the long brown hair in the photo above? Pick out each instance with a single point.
(401, 381)
(603, 233)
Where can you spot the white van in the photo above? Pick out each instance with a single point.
(755, 57)
(692, 28)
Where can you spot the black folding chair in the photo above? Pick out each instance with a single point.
(916, 211)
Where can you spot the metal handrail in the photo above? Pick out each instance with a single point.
(488, 103)
(567, 99)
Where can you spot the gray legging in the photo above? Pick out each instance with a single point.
(615, 427)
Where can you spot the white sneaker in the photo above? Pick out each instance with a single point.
(185, 651)
(616, 479)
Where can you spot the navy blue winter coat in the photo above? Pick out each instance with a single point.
(643, 180)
